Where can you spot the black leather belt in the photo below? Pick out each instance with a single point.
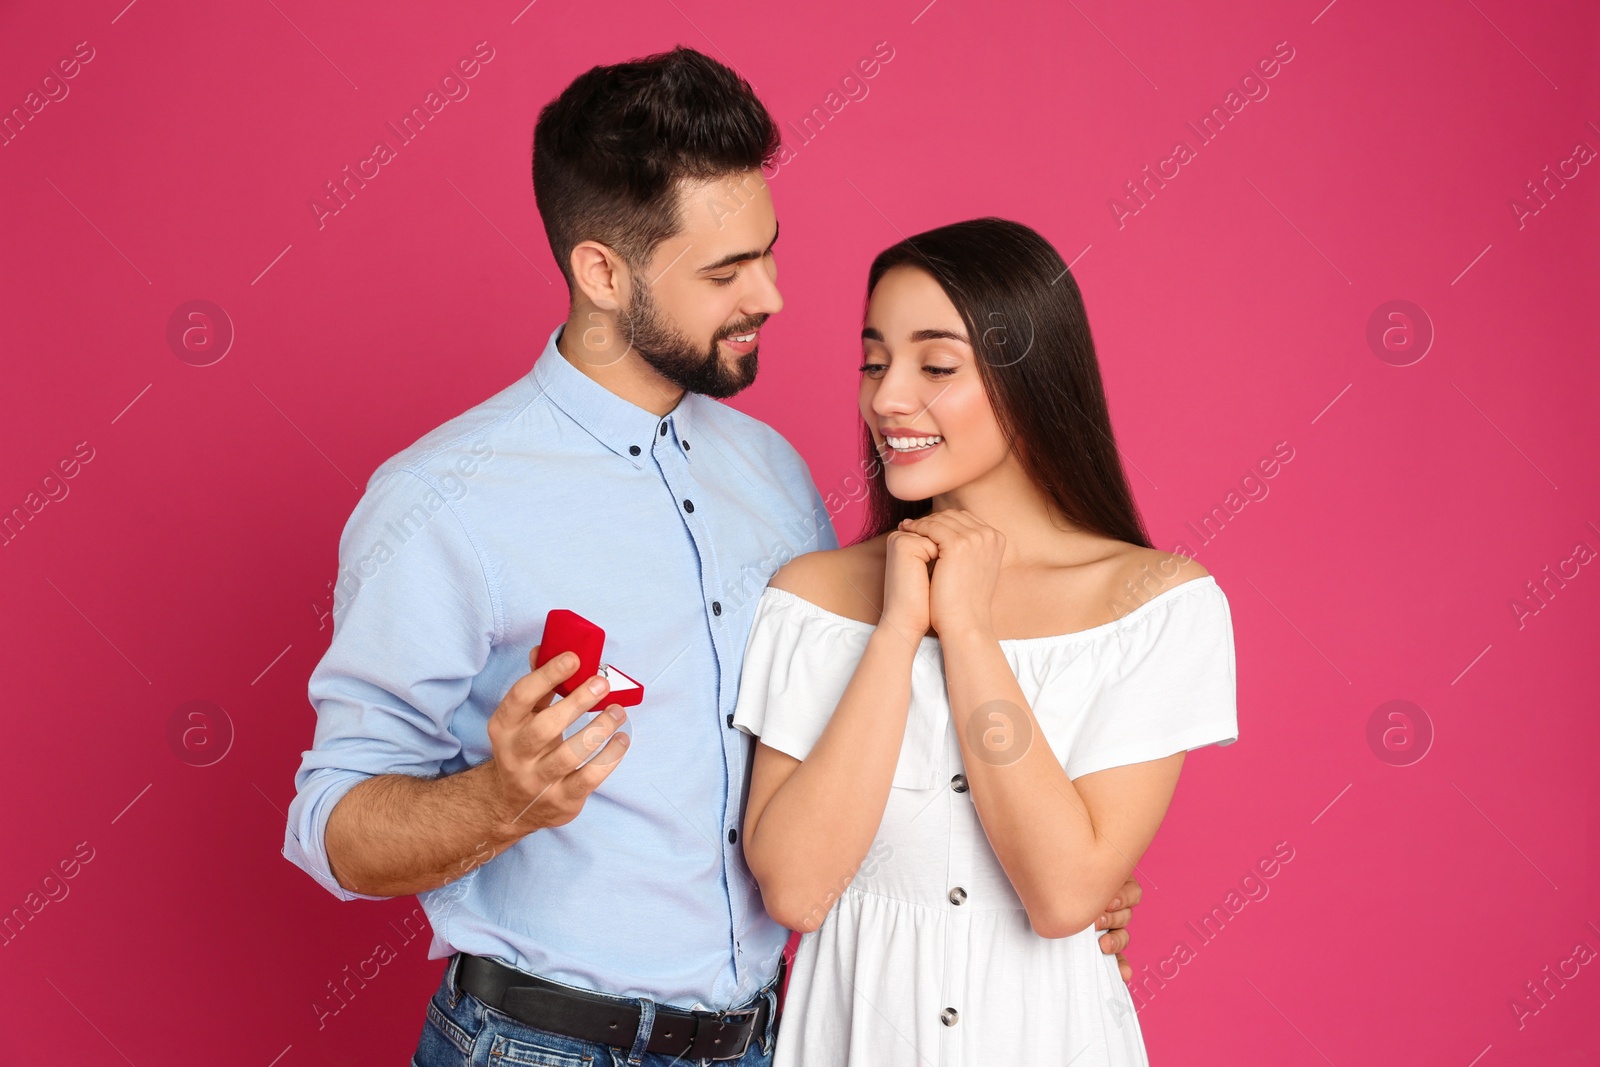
(548, 1005)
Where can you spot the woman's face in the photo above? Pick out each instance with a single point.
(921, 393)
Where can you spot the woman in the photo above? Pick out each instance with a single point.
(972, 720)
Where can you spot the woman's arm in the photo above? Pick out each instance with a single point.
(808, 824)
(1066, 846)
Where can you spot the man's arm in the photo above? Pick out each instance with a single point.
(415, 617)
(395, 834)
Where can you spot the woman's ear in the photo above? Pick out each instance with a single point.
(600, 274)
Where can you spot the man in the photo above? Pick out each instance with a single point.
(586, 881)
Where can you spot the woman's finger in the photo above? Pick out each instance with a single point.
(924, 548)
(933, 527)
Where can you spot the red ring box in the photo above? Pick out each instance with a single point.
(567, 631)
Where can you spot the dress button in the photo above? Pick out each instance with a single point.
(959, 783)
(957, 895)
(688, 505)
(948, 1016)
(716, 607)
(733, 835)
(633, 450)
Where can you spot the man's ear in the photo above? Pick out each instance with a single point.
(600, 274)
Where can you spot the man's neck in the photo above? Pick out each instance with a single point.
(614, 366)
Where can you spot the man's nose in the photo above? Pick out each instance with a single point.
(764, 298)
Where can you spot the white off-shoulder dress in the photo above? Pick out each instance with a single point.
(927, 957)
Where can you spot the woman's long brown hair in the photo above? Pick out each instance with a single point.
(1030, 333)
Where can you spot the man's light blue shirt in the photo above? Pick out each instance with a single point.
(663, 530)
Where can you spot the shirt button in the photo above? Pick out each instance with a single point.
(948, 1016)
(959, 783)
(957, 895)
(633, 450)
(663, 429)
(688, 505)
(733, 835)
(730, 719)
(716, 607)
(686, 445)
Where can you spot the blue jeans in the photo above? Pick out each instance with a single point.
(463, 1031)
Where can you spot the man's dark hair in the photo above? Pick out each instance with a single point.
(608, 153)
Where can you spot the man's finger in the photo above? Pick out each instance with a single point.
(1116, 919)
(533, 691)
(1129, 895)
(1113, 941)
(564, 756)
(583, 781)
(561, 674)
(1124, 968)
(543, 731)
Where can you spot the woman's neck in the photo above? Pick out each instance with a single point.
(1036, 531)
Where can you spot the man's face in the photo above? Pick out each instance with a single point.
(695, 312)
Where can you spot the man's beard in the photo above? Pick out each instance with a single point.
(674, 356)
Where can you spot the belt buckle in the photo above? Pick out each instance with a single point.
(695, 1049)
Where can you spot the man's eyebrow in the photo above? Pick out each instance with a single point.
(870, 334)
(741, 257)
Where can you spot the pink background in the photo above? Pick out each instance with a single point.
(190, 557)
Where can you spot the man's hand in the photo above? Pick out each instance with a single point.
(1115, 921)
(540, 781)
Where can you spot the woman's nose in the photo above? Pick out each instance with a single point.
(897, 393)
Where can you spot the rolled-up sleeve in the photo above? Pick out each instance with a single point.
(414, 620)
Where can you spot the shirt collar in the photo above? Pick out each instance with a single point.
(620, 425)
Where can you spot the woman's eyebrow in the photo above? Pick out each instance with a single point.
(938, 335)
(870, 334)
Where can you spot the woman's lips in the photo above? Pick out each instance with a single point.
(902, 457)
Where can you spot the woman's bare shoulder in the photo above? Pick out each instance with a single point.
(1139, 574)
(846, 581)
